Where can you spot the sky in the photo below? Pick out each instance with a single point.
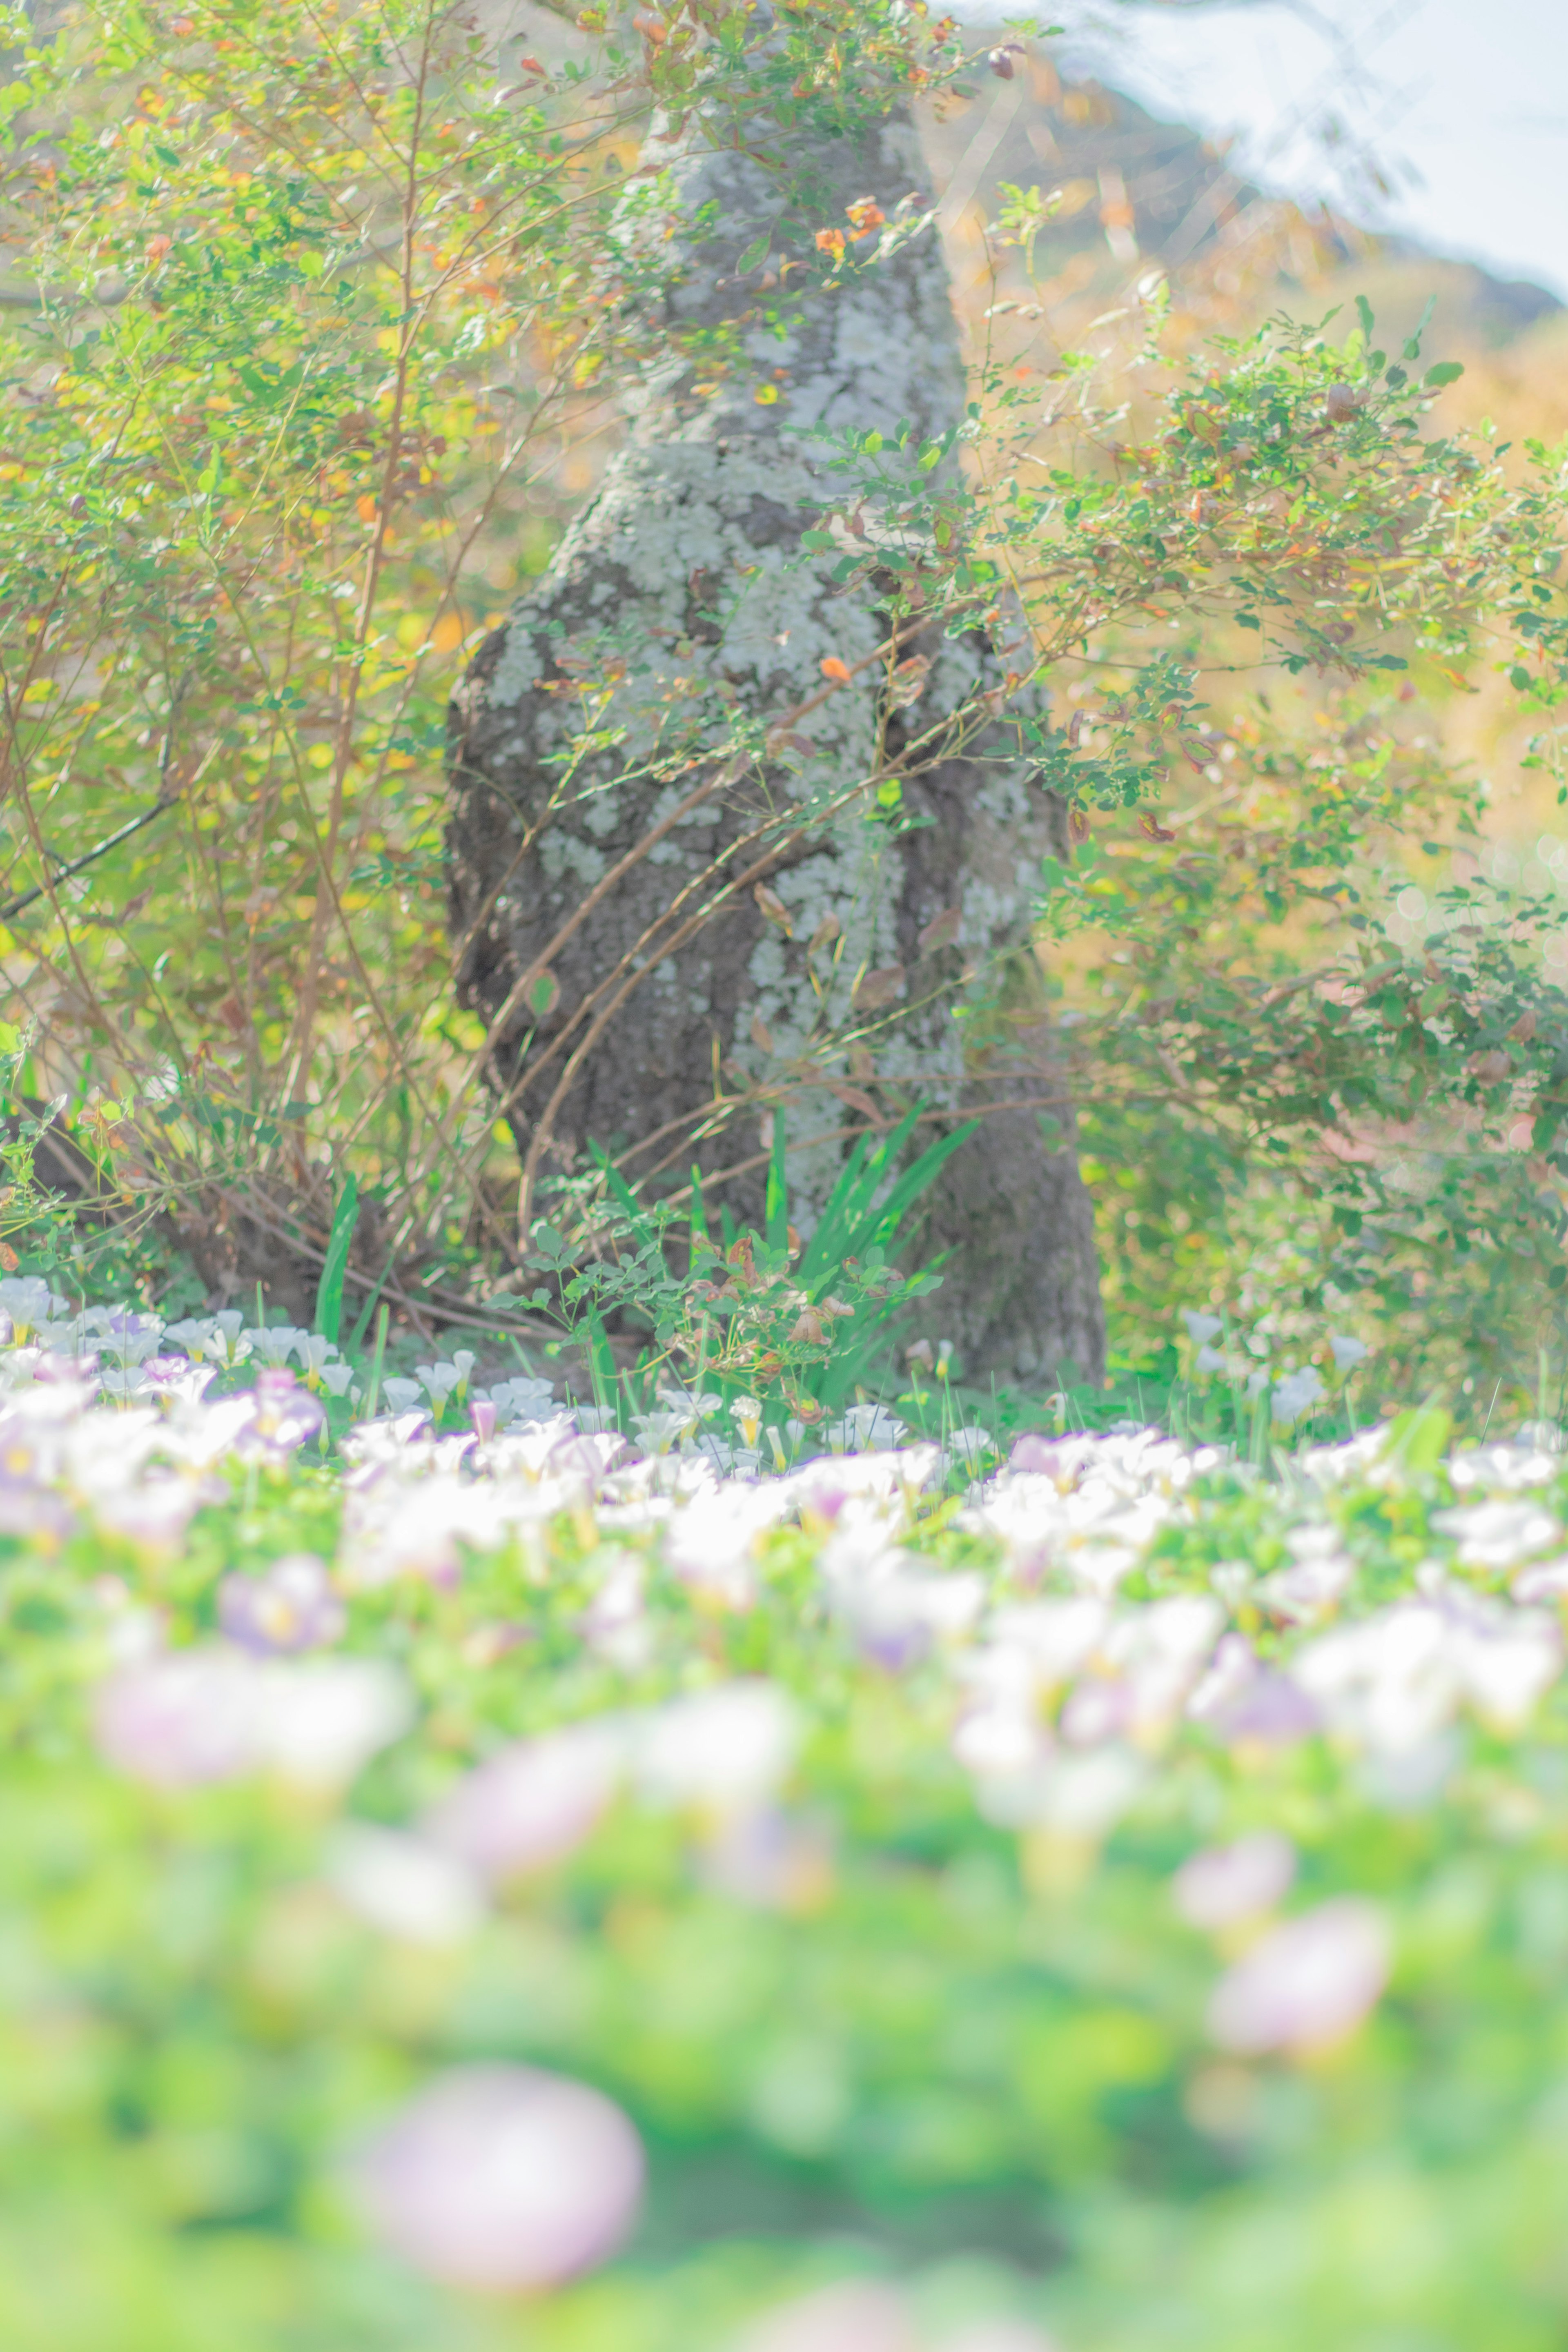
(1463, 107)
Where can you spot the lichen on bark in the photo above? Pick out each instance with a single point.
(650, 737)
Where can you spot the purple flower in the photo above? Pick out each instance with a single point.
(1274, 1711)
(1227, 1883)
(28, 1509)
(285, 1415)
(291, 1606)
(533, 1804)
(1309, 1982)
(503, 2178)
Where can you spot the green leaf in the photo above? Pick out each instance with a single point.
(1413, 348)
(1418, 1437)
(1445, 371)
(776, 1210)
(330, 1291)
(755, 253)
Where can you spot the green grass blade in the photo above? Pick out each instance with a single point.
(823, 1250)
(356, 1340)
(842, 1232)
(330, 1290)
(776, 1207)
(914, 1180)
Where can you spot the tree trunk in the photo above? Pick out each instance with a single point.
(667, 1021)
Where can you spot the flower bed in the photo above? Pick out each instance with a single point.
(482, 1890)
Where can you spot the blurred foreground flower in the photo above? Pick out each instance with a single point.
(503, 2178)
(532, 1804)
(1309, 1983)
(1227, 1883)
(192, 1715)
(292, 1606)
(866, 2315)
(725, 1749)
(858, 2317)
(403, 1887)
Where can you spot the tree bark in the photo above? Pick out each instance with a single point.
(680, 605)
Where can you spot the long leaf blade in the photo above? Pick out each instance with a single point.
(330, 1290)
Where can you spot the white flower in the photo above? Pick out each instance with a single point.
(321, 1721)
(865, 1429)
(1296, 1393)
(502, 2179)
(211, 1714)
(438, 1380)
(198, 1336)
(1200, 1327)
(336, 1378)
(314, 1353)
(403, 1887)
(658, 1431)
(27, 1299)
(401, 1395)
(728, 1748)
(276, 1344)
(1209, 1360)
(522, 1400)
(1346, 1351)
(710, 1544)
(1504, 1466)
(1498, 1535)
(532, 1804)
(229, 1344)
(1053, 1637)
(1227, 1883)
(1320, 1575)
(859, 2316)
(1309, 1982)
(1078, 1798)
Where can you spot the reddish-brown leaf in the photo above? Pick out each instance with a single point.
(940, 932)
(875, 988)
